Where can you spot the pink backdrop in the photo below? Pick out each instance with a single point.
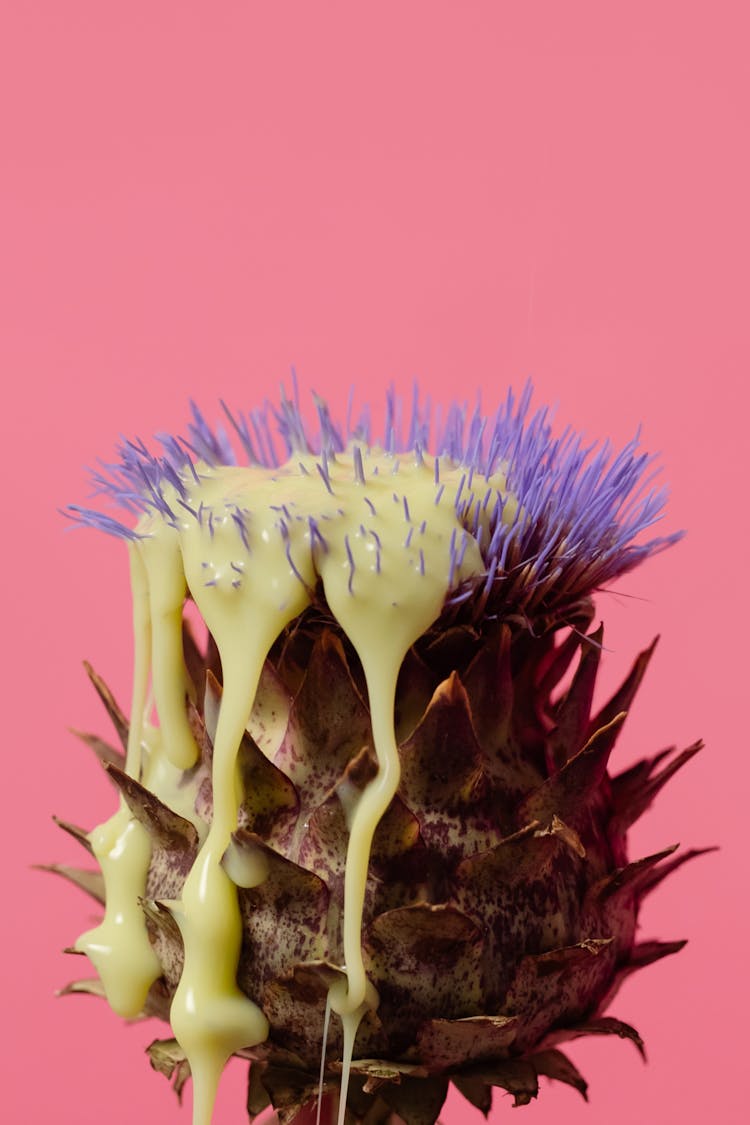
(195, 197)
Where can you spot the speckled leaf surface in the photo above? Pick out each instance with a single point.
(500, 905)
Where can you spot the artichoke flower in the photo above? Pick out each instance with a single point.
(367, 833)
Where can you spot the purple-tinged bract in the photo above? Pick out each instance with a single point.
(501, 905)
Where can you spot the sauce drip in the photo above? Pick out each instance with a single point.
(389, 538)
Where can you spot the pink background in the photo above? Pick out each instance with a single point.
(197, 196)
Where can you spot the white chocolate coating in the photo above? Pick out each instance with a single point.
(388, 541)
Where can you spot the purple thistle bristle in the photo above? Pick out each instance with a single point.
(190, 510)
(378, 550)
(451, 444)
(262, 431)
(331, 441)
(476, 529)
(240, 427)
(464, 545)
(363, 429)
(581, 509)
(323, 470)
(419, 424)
(359, 468)
(239, 519)
(389, 442)
(292, 565)
(99, 520)
(289, 423)
(452, 550)
(316, 535)
(350, 557)
(477, 426)
(212, 446)
(459, 491)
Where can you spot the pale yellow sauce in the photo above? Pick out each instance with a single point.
(251, 562)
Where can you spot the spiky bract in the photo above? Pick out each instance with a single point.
(501, 907)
